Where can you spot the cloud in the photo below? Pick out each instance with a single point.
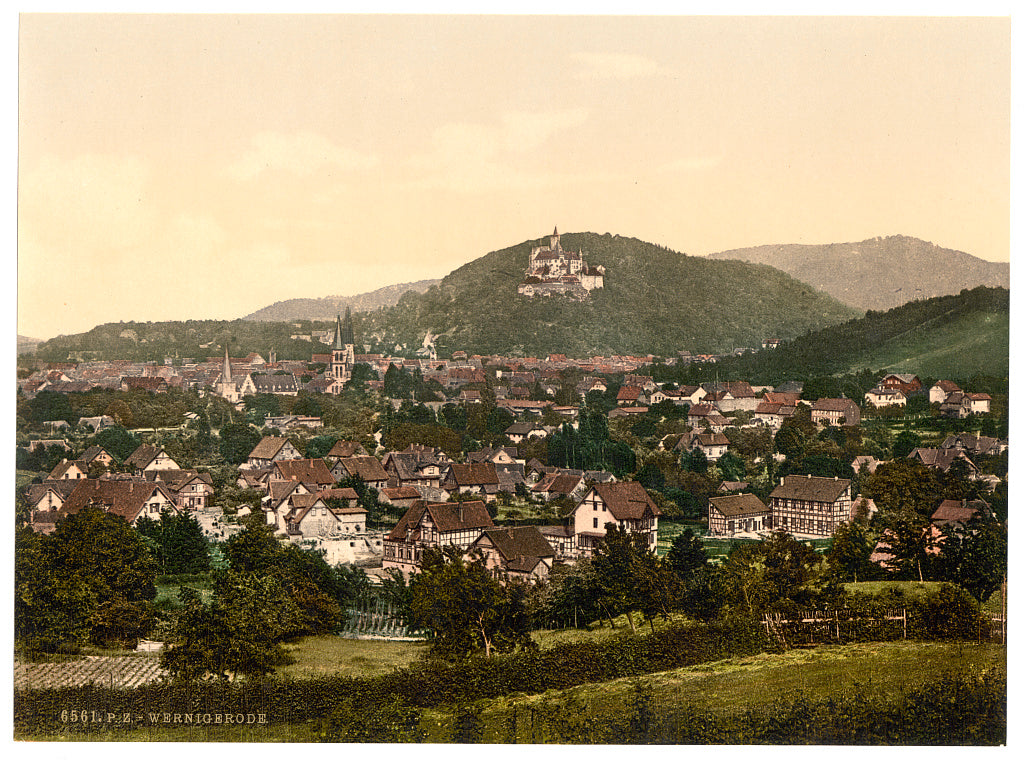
(616, 66)
(474, 157)
(303, 153)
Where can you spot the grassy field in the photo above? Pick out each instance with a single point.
(716, 547)
(168, 587)
(332, 655)
(720, 687)
(978, 342)
(732, 685)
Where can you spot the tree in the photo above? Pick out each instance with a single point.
(775, 572)
(973, 556)
(95, 573)
(49, 406)
(906, 441)
(850, 556)
(179, 542)
(237, 441)
(465, 608)
(731, 466)
(687, 555)
(240, 630)
(904, 486)
(118, 441)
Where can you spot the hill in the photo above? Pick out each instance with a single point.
(654, 300)
(878, 274)
(326, 308)
(27, 344)
(953, 337)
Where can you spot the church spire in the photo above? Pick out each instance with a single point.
(347, 334)
(338, 344)
(226, 372)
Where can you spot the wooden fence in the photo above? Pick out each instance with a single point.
(813, 627)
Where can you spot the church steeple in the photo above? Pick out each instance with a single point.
(338, 342)
(226, 372)
(347, 334)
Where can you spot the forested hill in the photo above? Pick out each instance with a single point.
(654, 301)
(326, 308)
(953, 337)
(880, 273)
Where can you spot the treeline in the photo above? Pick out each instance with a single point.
(192, 339)
(834, 349)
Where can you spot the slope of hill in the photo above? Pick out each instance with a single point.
(27, 344)
(326, 308)
(953, 337)
(878, 274)
(654, 301)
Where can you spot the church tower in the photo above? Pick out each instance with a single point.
(227, 388)
(343, 355)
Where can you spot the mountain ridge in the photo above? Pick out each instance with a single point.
(880, 273)
(326, 308)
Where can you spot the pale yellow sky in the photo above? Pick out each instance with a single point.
(175, 167)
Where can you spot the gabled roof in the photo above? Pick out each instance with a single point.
(738, 505)
(269, 447)
(558, 483)
(958, 511)
(314, 471)
(365, 468)
(514, 544)
(346, 449)
(811, 488)
(627, 500)
(476, 474)
(177, 480)
(832, 405)
(124, 498)
(143, 456)
(446, 516)
(64, 465)
(94, 452)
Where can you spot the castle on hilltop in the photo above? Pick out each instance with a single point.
(554, 271)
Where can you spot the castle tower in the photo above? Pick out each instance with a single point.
(555, 244)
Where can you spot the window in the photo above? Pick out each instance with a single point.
(595, 522)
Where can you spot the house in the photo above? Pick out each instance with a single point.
(269, 450)
(788, 398)
(626, 504)
(345, 449)
(98, 454)
(939, 392)
(944, 459)
(310, 517)
(48, 496)
(69, 470)
(865, 462)
(519, 552)
(149, 457)
(400, 496)
(959, 512)
(714, 445)
(366, 469)
(499, 455)
(978, 403)
(190, 488)
(630, 395)
(835, 411)
(277, 502)
(313, 473)
(879, 397)
(556, 485)
(518, 432)
(276, 384)
(414, 468)
(810, 505)
(975, 445)
(430, 524)
(731, 487)
(478, 478)
(740, 396)
(131, 500)
(102, 422)
(908, 383)
(772, 414)
(737, 513)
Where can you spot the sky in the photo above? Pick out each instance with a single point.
(202, 167)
